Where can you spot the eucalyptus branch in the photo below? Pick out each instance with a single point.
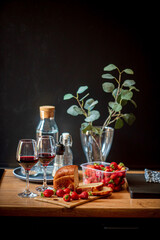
(122, 94)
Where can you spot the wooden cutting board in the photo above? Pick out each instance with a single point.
(73, 203)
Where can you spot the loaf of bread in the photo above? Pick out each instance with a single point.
(103, 192)
(66, 176)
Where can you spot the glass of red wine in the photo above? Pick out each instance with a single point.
(27, 157)
(46, 153)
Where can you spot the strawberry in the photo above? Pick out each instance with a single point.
(113, 165)
(113, 176)
(117, 188)
(67, 190)
(120, 165)
(108, 169)
(66, 197)
(60, 193)
(74, 196)
(84, 195)
(47, 193)
(111, 185)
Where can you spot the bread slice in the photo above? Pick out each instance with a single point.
(104, 191)
(91, 187)
(66, 176)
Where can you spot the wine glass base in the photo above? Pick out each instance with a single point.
(42, 188)
(27, 195)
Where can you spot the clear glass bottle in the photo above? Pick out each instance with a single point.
(66, 140)
(47, 124)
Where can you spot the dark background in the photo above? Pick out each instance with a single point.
(49, 48)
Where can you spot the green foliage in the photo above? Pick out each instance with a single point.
(122, 94)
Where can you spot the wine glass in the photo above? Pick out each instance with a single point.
(46, 153)
(27, 157)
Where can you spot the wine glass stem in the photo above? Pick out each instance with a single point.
(44, 177)
(27, 191)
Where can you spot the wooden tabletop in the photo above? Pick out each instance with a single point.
(119, 204)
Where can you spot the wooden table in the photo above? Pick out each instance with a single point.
(118, 205)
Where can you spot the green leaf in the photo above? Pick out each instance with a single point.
(88, 103)
(93, 104)
(129, 83)
(119, 123)
(126, 95)
(74, 110)
(86, 127)
(115, 106)
(128, 71)
(108, 87)
(108, 76)
(134, 103)
(96, 130)
(109, 67)
(129, 118)
(134, 88)
(82, 89)
(114, 93)
(94, 115)
(68, 96)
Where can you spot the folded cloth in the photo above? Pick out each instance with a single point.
(152, 176)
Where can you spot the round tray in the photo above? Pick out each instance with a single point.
(35, 179)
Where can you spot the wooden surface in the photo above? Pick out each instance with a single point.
(117, 205)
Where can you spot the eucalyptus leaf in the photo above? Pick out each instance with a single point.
(108, 76)
(68, 96)
(82, 89)
(109, 67)
(129, 83)
(115, 106)
(128, 71)
(93, 104)
(74, 110)
(119, 123)
(134, 88)
(108, 87)
(88, 103)
(114, 93)
(134, 103)
(94, 115)
(86, 127)
(126, 95)
(129, 118)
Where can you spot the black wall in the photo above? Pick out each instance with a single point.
(49, 48)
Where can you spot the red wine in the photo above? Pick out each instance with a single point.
(27, 162)
(45, 158)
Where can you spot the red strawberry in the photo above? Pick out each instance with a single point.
(120, 165)
(66, 197)
(60, 193)
(111, 185)
(47, 193)
(113, 176)
(84, 195)
(117, 188)
(67, 190)
(113, 165)
(74, 196)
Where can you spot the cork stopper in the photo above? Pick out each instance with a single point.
(47, 111)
